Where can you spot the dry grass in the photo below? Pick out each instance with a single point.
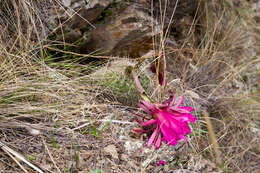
(61, 116)
(222, 70)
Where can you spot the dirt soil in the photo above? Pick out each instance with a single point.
(69, 117)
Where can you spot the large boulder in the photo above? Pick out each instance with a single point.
(127, 32)
(116, 27)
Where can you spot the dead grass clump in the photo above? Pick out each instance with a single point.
(21, 24)
(66, 117)
(44, 110)
(222, 70)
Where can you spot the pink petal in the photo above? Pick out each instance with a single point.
(179, 102)
(138, 130)
(140, 115)
(181, 118)
(145, 108)
(161, 105)
(147, 123)
(169, 122)
(162, 119)
(149, 106)
(139, 121)
(150, 141)
(158, 141)
(185, 117)
(161, 163)
(186, 108)
(186, 129)
(184, 138)
(165, 83)
(192, 118)
(172, 141)
(171, 100)
(169, 136)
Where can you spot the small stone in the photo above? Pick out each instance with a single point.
(166, 169)
(46, 166)
(132, 146)
(111, 150)
(86, 154)
(124, 157)
(34, 132)
(132, 164)
(66, 3)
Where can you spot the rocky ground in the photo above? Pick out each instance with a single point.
(66, 103)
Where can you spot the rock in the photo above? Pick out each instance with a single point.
(74, 14)
(127, 32)
(133, 146)
(85, 12)
(111, 150)
(67, 3)
(183, 171)
(124, 157)
(115, 67)
(133, 164)
(114, 27)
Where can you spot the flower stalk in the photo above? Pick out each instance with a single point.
(167, 120)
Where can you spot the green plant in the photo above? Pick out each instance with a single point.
(53, 141)
(76, 155)
(95, 131)
(121, 87)
(30, 157)
(96, 171)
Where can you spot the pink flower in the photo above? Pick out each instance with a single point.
(169, 121)
(161, 163)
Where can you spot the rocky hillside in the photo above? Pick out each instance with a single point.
(68, 102)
